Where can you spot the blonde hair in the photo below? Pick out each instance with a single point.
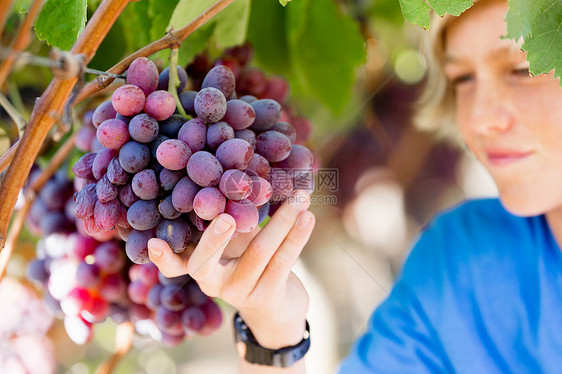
(435, 108)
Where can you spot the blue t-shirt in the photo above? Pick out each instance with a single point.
(480, 292)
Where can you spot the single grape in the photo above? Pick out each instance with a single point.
(137, 246)
(153, 297)
(134, 157)
(81, 246)
(210, 105)
(127, 196)
(146, 273)
(143, 215)
(195, 296)
(143, 128)
(128, 100)
(187, 99)
(138, 312)
(173, 154)
(239, 114)
(145, 185)
(113, 287)
(101, 162)
(193, 319)
(169, 178)
(115, 173)
(173, 298)
(103, 112)
(76, 301)
(183, 195)
(303, 127)
(235, 154)
(55, 222)
(160, 105)
(88, 275)
(299, 158)
(143, 73)
(235, 185)
(163, 80)
(109, 257)
(194, 134)
(172, 340)
(247, 135)
(166, 208)
(84, 139)
(244, 213)
(241, 53)
(138, 292)
(251, 82)
(90, 226)
(107, 214)
(261, 191)
(37, 271)
(204, 169)
(209, 203)
(286, 129)
(218, 133)
(167, 320)
(213, 317)
(268, 112)
(273, 145)
(172, 125)
(248, 98)
(276, 88)
(221, 78)
(105, 191)
(83, 167)
(113, 133)
(176, 232)
(55, 193)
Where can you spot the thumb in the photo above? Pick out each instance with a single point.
(169, 263)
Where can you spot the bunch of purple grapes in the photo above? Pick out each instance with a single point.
(83, 278)
(53, 209)
(161, 175)
(171, 309)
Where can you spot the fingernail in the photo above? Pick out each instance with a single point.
(221, 226)
(304, 220)
(154, 251)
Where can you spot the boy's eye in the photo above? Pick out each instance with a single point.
(524, 72)
(461, 79)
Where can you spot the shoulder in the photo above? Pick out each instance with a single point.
(476, 234)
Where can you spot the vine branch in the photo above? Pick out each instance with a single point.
(49, 108)
(5, 6)
(167, 41)
(22, 40)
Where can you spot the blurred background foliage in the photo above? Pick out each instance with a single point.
(354, 69)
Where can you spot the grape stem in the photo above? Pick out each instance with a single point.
(49, 108)
(174, 81)
(30, 194)
(123, 343)
(170, 39)
(22, 40)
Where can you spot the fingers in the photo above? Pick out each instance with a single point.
(279, 268)
(204, 260)
(169, 263)
(255, 259)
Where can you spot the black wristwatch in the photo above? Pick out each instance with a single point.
(256, 354)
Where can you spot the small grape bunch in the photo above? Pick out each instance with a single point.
(158, 174)
(170, 309)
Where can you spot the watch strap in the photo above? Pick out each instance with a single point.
(256, 354)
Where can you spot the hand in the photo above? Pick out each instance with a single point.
(251, 271)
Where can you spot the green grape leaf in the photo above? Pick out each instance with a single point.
(267, 33)
(136, 25)
(60, 22)
(540, 25)
(232, 23)
(229, 27)
(417, 11)
(284, 2)
(325, 47)
(160, 12)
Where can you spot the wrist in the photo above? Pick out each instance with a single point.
(275, 334)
